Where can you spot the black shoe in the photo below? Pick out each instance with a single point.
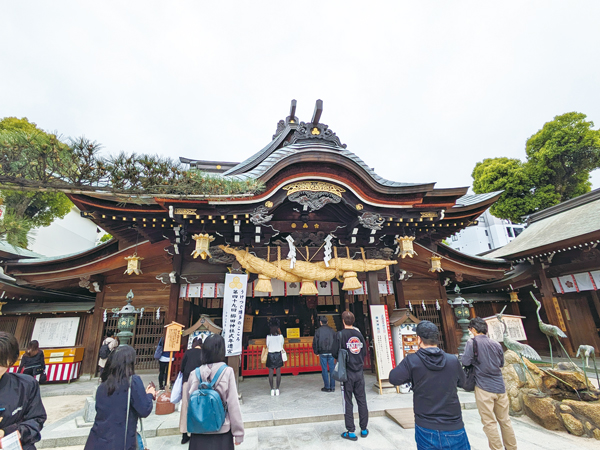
(332, 390)
(324, 389)
(185, 439)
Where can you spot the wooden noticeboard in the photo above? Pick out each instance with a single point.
(173, 337)
(248, 323)
(382, 343)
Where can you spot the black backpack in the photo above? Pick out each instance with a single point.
(104, 351)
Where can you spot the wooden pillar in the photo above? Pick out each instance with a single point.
(399, 290)
(20, 332)
(93, 337)
(596, 301)
(174, 293)
(553, 312)
(373, 288)
(449, 326)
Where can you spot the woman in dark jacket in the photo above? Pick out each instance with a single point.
(21, 407)
(32, 362)
(108, 431)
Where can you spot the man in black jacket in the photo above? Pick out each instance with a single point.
(323, 344)
(21, 408)
(434, 375)
(352, 340)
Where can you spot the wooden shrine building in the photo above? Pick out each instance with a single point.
(319, 201)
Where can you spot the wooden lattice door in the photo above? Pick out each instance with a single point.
(432, 314)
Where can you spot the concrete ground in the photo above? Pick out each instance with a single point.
(384, 434)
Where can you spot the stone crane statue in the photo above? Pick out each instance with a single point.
(585, 351)
(520, 349)
(550, 330)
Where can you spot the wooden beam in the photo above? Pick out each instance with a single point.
(93, 337)
(317, 113)
(449, 326)
(373, 288)
(293, 109)
(398, 288)
(174, 292)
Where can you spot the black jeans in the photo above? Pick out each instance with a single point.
(163, 367)
(355, 385)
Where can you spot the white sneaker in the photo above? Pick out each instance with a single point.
(276, 391)
(272, 392)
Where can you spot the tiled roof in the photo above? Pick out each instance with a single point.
(473, 199)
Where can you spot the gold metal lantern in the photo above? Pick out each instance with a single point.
(134, 265)
(436, 264)
(406, 246)
(202, 245)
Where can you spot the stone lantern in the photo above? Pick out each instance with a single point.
(463, 314)
(126, 322)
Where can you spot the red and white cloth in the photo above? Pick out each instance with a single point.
(58, 371)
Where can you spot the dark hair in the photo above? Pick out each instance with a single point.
(197, 342)
(213, 349)
(479, 325)
(428, 332)
(274, 330)
(9, 349)
(348, 318)
(323, 320)
(110, 333)
(119, 368)
(33, 348)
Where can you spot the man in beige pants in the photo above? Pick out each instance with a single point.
(487, 358)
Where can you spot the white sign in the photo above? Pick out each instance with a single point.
(56, 332)
(514, 324)
(234, 305)
(382, 341)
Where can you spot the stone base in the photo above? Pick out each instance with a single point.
(89, 410)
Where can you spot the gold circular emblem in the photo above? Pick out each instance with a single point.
(293, 225)
(269, 204)
(359, 206)
(218, 166)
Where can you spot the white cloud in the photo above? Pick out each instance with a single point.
(421, 91)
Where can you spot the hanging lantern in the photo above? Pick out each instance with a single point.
(133, 265)
(263, 284)
(308, 288)
(202, 245)
(351, 282)
(514, 296)
(436, 264)
(406, 246)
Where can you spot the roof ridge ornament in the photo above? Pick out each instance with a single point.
(289, 119)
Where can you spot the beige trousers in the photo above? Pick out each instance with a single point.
(493, 409)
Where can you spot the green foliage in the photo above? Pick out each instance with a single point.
(560, 158)
(105, 238)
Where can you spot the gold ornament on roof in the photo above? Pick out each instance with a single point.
(359, 206)
(133, 265)
(436, 264)
(314, 186)
(1, 305)
(202, 245)
(514, 296)
(315, 131)
(269, 204)
(406, 246)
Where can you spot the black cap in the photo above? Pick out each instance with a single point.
(428, 330)
(323, 319)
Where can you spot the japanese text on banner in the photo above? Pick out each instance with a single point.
(234, 305)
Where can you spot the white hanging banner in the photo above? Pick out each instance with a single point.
(234, 305)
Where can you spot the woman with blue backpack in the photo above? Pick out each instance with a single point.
(214, 417)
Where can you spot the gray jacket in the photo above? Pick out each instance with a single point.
(490, 360)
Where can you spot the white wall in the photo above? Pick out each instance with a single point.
(72, 234)
(489, 234)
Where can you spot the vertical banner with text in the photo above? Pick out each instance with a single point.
(234, 305)
(382, 341)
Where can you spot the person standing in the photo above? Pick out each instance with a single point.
(435, 376)
(111, 343)
(115, 426)
(275, 343)
(232, 431)
(192, 359)
(21, 407)
(163, 363)
(490, 392)
(352, 340)
(323, 344)
(33, 362)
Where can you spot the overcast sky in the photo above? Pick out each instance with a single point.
(420, 90)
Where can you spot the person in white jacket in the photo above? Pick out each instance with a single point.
(232, 431)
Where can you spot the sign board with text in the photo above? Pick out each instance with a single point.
(56, 332)
(173, 337)
(514, 325)
(234, 305)
(382, 342)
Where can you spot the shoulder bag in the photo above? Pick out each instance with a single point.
(339, 371)
(469, 385)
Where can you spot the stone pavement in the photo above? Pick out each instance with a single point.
(384, 434)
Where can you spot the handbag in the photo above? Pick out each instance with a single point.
(339, 371)
(140, 439)
(284, 355)
(469, 384)
(177, 390)
(263, 355)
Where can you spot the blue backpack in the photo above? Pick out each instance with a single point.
(206, 409)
